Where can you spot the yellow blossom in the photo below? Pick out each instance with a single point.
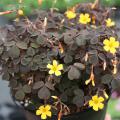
(44, 111)
(96, 102)
(70, 14)
(84, 18)
(110, 23)
(55, 68)
(111, 45)
(20, 12)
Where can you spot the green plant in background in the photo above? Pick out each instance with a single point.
(29, 5)
(112, 109)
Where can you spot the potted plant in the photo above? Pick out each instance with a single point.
(62, 66)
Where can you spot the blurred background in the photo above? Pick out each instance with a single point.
(30, 7)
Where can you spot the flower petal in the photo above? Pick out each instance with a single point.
(81, 15)
(43, 116)
(55, 63)
(106, 42)
(112, 23)
(41, 107)
(106, 48)
(112, 39)
(91, 103)
(113, 50)
(108, 20)
(60, 67)
(51, 72)
(49, 66)
(101, 105)
(101, 99)
(88, 20)
(87, 15)
(95, 107)
(57, 73)
(116, 44)
(47, 107)
(38, 112)
(95, 97)
(48, 113)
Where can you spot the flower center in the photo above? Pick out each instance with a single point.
(110, 45)
(96, 101)
(54, 68)
(84, 19)
(44, 110)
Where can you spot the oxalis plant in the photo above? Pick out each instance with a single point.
(62, 63)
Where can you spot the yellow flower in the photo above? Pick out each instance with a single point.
(84, 18)
(110, 45)
(96, 102)
(109, 23)
(20, 12)
(44, 111)
(55, 68)
(70, 14)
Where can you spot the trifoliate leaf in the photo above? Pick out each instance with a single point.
(44, 93)
(74, 73)
(21, 45)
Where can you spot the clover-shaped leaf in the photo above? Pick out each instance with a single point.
(40, 40)
(44, 93)
(74, 73)
(49, 85)
(27, 89)
(34, 67)
(37, 59)
(30, 51)
(26, 60)
(94, 40)
(79, 66)
(20, 95)
(68, 39)
(78, 101)
(38, 85)
(79, 92)
(107, 78)
(68, 59)
(34, 45)
(21, 45)
(80, 41)
(93, 59)
(14, 52)
(9, 43)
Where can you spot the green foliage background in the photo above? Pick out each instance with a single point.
(31, 5)
(112, 109)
